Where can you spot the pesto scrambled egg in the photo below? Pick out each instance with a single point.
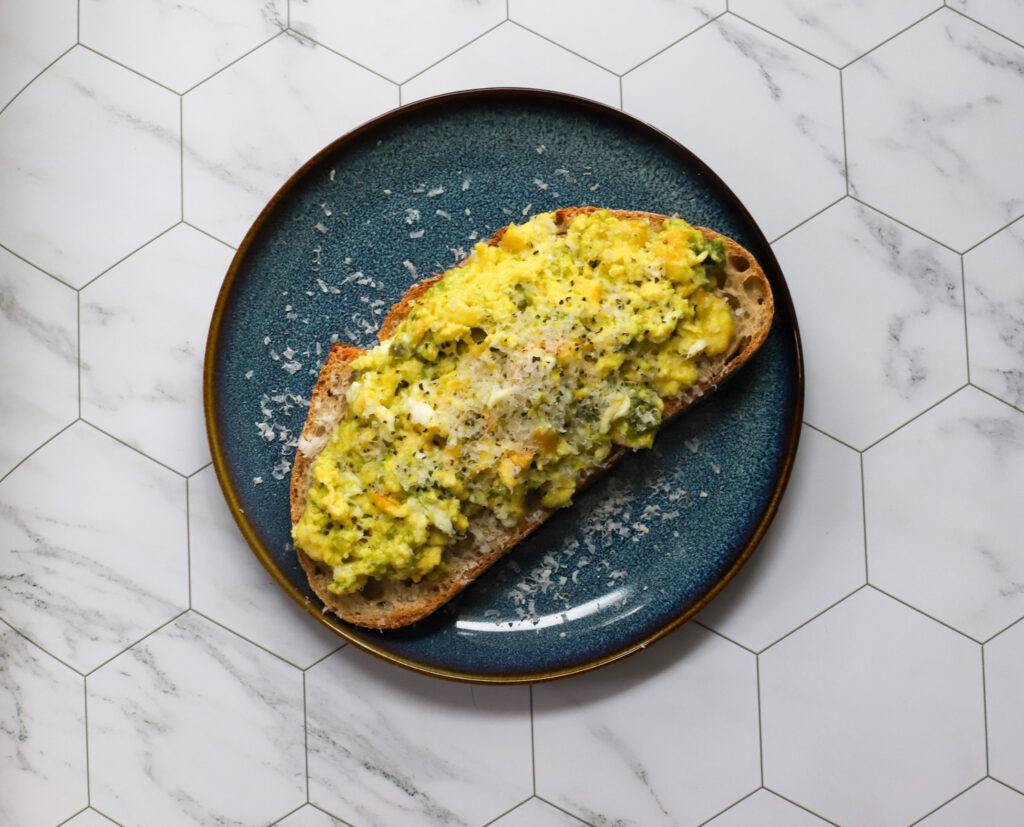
(506, 382)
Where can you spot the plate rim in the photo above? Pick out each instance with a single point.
(319, 613)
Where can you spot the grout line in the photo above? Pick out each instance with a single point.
(947, 801)
(923, 613)
(42, 649)
(291, 812)
(916, 416)
(78, 21)
(134, 643)
(992, 234)
(864, 518)
(963, 300)
(808, 219)
(760, 726)
(997, 398)
(322, 659)
(296, 34)
(1004, 629)
(330, 814)
(88, 769)
(305, 730)
(533, 747)
(453, 52)
(188, 538)
(41, 445)
(240, 636)
(508, 9)
(842, 121)
(791, 43)
(181, 155)
(199, 470)
(562, 809)
(207, 233)
(903, 223)
(564, 48)
(833, 437)
(622, 95)
(1005, 784)
(34, 266)
(73, 815)
(984, 708)
(78, 347)
(227, 66)
(698, 622)
(802, 807)
(890, 38)
(506, 812)
(128, 255)
(36, 77)
(138, 451)
(965, 16)
(109, 818)
(128, 68)
(726, 809)
(664, 49)
(828, 608)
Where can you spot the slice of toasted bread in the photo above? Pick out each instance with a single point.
(391, 604)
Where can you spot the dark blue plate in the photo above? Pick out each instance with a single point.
(406, 195)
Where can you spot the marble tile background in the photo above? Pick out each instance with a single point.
(865, 668)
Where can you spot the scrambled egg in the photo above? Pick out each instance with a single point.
(508, 380)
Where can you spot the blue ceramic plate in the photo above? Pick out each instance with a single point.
(407, 195)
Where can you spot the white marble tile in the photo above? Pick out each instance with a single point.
(32, 35)
(1005, 16)
(95, 547)
(89, 818)
(995, 314)
(834, 30)
(42, 735)
(926, 488)
(872, 713)
(989, 804)
(614, 37)
(143, 335)
(195, 721)
(668, 736)
(230, 586)
(399, 38)
(178, 43)
(247, 129)
(770, 126)
(309, 816)
(881, 318)
(932, 125)
(765, 809)
(536, 813)
(38, 359)
(90, 158)
(812, 555)
(1004, 687)
(512, 56)
(387, 746)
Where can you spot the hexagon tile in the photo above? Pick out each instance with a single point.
(932, 119)
(236, 157)
(90, 162)
(143, 331)
(770, 127)
(872, 713)
(866, 665)
(925, 488)
(884, 333)
(408, 749)
(86, 573)
(194, 689)
(668, 737)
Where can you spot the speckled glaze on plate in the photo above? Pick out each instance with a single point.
(406, 195)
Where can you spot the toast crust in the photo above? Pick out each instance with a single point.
(393, 604)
